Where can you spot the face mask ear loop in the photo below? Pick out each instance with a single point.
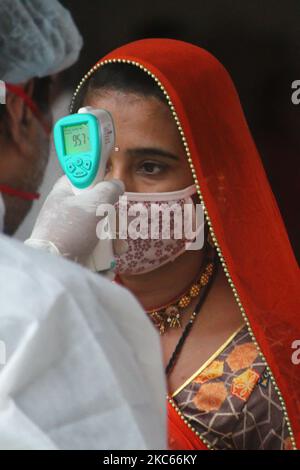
(28, 196)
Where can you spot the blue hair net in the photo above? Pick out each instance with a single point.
(37, 38)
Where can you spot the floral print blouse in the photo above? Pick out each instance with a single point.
(231, 400)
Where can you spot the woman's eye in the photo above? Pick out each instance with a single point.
(151, 168)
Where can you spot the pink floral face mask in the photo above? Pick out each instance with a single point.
(152, 240)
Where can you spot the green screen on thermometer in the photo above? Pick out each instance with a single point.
(76, 138)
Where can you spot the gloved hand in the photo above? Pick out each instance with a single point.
(67, 222)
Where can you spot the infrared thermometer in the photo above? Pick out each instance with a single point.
(83, 142)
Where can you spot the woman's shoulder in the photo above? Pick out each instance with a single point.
(231, 400)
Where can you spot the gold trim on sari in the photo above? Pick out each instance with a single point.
(209, 360)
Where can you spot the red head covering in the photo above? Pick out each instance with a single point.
(246, 224)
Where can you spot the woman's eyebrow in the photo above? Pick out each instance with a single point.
(151, 151)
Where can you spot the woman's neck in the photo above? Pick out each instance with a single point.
(160, 286)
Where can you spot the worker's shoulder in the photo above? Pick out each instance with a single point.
(27, 273)
(37, 288)
(22, 266)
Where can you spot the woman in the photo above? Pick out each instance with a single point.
(228, 346)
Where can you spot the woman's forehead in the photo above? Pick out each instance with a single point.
(116, 98)
(141, 122)
(133, 109)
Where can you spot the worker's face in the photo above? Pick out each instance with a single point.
(151, 156)
(24, 154)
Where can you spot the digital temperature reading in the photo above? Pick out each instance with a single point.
(76, 138)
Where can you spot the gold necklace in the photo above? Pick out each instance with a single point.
(170, 315)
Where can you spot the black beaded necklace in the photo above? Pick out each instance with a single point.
(203, 294)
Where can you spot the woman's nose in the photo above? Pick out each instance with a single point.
(117, 170)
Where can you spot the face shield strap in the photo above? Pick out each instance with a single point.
(19, 91)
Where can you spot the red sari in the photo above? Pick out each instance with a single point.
(245, 221)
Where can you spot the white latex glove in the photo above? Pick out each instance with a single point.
(67, 222)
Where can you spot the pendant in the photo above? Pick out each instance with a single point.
(169, 318)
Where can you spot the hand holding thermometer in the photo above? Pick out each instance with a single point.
(83, 142)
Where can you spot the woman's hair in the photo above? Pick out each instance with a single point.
(119, 77)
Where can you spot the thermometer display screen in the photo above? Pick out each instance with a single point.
(77, 138)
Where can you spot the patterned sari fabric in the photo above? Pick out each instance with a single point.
(249, 235)
(232, 402)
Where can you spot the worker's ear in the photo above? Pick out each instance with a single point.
(19, 118)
